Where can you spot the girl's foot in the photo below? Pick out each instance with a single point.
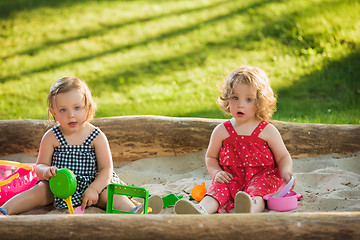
(155, 203)
(243, 203)
(3, 211)
(184, 206)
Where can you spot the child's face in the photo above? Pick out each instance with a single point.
(69, 110)
(243, 102)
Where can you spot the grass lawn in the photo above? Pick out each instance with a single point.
(160, 57)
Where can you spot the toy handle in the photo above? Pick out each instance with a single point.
(9, 179)
(15, 164)
(69, 204)
(15, 174)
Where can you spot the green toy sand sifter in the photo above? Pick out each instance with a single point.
(63, 185)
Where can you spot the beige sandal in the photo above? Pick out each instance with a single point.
(155, 205)
(184, 206)
(243, 203)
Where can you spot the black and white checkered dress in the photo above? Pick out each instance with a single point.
(80, 159)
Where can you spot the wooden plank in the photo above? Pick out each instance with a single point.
(136, 137)
(328, 225)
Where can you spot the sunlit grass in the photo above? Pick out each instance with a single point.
(167, 57)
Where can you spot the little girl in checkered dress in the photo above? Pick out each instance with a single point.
(246, 157)
(76, 144)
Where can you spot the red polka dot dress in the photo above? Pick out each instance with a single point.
(250, 162)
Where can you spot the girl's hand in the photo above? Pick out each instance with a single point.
(223, 177)
(50, 172)
(287, 176)
(90, 197)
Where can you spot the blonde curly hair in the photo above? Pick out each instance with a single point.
(256, 78)
(67, 84)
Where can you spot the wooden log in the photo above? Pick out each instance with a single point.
(327, 225)
(136, 137)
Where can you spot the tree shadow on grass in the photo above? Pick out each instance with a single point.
(161, 37)
(100, 31)
(335, 89)
(130, 75)
(7, 8)
(10, 7)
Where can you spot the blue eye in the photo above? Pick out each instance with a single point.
(249, 100)
(62, 110)
(235, 98)
(77, 108)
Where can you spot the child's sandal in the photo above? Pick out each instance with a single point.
(184, 206)
(3, 211)
(243, 203)
(155, 203)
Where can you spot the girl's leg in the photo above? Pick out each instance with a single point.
(258, 204)
(210, 204)
(122, 203)
(37, 196)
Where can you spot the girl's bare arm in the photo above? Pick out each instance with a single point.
(212, 155)
(43, 167)
(105, 169)
(282, 157)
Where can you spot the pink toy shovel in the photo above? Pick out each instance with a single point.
(285, 188)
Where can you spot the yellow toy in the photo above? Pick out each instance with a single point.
(198, 192)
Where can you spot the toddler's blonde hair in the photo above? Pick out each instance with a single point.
(67, 84)
(256, 78)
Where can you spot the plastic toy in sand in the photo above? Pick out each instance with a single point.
(63, 185)
(198, 192)
(130, 191)
(15, 178)
(170, 200)
(283, 199)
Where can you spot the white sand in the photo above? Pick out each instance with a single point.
(327, 183)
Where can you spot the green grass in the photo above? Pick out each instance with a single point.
(167, 57)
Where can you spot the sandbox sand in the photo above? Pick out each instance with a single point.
(327, 183)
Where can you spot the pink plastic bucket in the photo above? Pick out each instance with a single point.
(282, 204)
(22, 179)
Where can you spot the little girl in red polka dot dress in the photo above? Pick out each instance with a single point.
(246, 157)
